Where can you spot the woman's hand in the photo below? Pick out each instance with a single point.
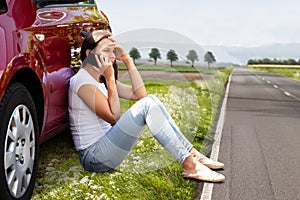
(120, 53)
(99, 34)
(106, 69)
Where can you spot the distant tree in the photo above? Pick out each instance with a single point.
(192, 56)
(154, 54)
(172, 56)
(291, 62)
(274, 61)
(134, 54)
(284, 62)
(266, 61)
(209, 58)
(252, 62)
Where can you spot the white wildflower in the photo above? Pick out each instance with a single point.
(95, 187)
(50, 169)
(84, 179)
(104, 196)
(55, 161)
(111, 182)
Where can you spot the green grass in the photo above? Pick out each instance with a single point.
(149, 172)
(275, 66)
(283, 70)
(171, 69)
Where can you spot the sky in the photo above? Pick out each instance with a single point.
(211, 22)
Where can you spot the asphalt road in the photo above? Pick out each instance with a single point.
(260, 143)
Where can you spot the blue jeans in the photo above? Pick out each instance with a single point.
(112, 149)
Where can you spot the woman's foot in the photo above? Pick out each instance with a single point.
(211, 163)
(207, 161)
(203, 173)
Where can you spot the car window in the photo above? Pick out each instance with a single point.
(52, 3)
(3, 7)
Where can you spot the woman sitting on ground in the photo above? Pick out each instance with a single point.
(101, 135)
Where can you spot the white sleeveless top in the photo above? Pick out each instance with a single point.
(85, 125)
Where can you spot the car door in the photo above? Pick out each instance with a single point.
(58, 37)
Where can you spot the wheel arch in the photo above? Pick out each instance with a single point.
(30, 80)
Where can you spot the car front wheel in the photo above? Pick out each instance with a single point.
(19, 143)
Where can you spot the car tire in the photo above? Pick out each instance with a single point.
(19, 146)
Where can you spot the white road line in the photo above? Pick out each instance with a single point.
(290, 95)
(208, 187)
(287, 93)
(283, 90)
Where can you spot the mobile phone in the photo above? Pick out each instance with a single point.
(91, 59)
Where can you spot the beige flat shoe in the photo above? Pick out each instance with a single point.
(211, 163)
(212, 177)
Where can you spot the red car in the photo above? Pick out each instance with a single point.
(40, 43)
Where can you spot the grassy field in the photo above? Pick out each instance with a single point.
(171, 69)
(276, 66)
(291, 71)
(149, 172)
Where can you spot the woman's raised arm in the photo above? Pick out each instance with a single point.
(137, 89)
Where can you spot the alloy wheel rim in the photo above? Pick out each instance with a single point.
(19, 152)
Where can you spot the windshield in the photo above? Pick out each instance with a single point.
(50, 3)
